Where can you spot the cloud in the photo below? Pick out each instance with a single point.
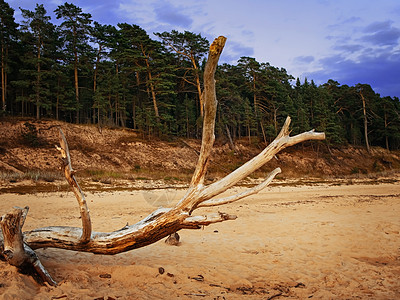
(234, 50)
(386, 37)
(247, 33)
(170, 14)
(56, 2)
(378, 26)
(351, 21)
(100, 10)
(369, 55)
(348, 47)
(381, 34)
(304, 59)
(381, 72)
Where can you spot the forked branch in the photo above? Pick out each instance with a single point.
(244, 194)
(163, 221)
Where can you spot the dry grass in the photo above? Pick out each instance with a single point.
(35, 176)
(137, 173)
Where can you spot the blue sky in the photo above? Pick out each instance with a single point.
(350, 41)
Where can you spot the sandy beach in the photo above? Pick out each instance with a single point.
(325, 241)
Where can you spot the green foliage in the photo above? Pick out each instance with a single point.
(37, 37)
(83, 71)
(8, 38)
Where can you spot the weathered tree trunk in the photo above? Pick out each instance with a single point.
(76, 82)
(96, 70)
(153, 93)
(163, 221)
(150, 82)
(198, 86)
(3, 79)
(58, 98)
(76, 78)
(15, 251)
(255, 95)
(38, 79)
(365, 123)
(386, 126)
(231, 143)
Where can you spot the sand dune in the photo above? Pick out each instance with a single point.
(319, 242)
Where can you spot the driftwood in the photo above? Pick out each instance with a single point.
(18, 248)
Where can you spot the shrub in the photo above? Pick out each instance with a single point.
(29, 135)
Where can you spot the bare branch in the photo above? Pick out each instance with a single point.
(282, 141)
(195, 222)
(34, 261)
(249, 192)
(210, 108)
(69, 175)
(14, 250)
(188, 81)
(183, 53)
(153, 228)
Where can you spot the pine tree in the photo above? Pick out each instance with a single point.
(103, 36)
(75, 30)
(8, 36)
(38, 34)
(192, 49)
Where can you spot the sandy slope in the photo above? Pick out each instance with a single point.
(125, 153)
(319, 242)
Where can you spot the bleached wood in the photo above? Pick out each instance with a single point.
(14, 250)
(163, 221)
(195, 222)
(282, 141)
(244, 194)
(69, 174)
(210, 111)
(13, 240)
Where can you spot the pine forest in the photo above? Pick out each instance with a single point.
(81, 71)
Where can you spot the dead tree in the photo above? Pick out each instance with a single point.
(18, 248)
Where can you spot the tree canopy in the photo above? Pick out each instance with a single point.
(86, 72)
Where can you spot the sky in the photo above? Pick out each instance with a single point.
(350, 41)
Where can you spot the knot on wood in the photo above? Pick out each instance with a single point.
(64, 162)
(8, 254)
